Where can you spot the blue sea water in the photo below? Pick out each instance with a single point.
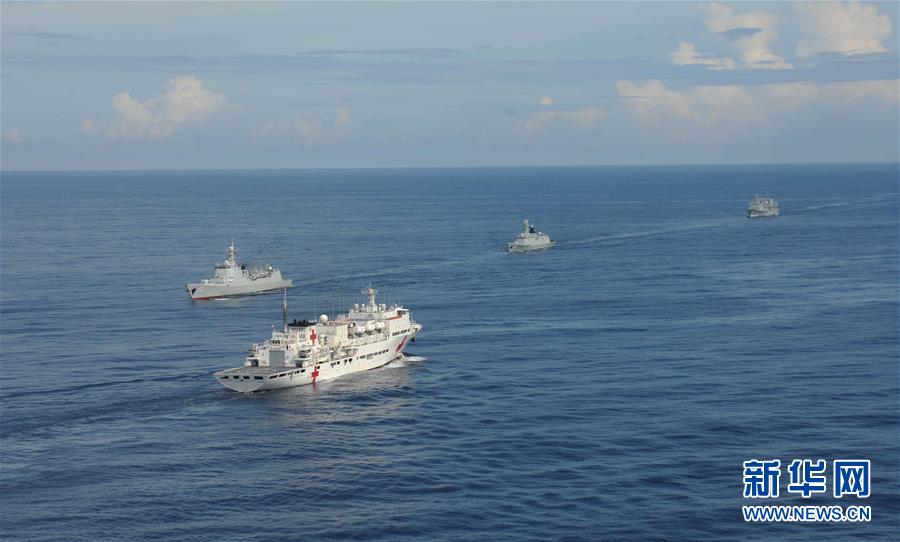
(608, 389)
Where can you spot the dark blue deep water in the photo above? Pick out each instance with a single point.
(609, 389)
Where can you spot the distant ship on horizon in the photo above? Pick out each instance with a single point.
(762, 206)
(233, 279)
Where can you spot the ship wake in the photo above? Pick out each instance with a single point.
(405, 360)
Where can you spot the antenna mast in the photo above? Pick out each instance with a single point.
(284, 306)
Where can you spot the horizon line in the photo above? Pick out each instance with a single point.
(365, 168)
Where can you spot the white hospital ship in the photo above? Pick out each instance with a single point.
(368, 336)
(231, 279)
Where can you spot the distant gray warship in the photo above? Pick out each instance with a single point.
(762, 206)
(231, 279)
(530, 239)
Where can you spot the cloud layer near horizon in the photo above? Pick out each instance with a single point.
(185, 101)
(695, 83)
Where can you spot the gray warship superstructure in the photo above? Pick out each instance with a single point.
(233, 279)
(762, 206)
(530, 239)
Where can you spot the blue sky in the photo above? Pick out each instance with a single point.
(282, 85)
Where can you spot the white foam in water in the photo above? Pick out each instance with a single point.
(863, 202)
(651, 233)
(413, 358)
(404, 360)
(824, 206)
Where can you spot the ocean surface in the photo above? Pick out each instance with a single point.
(608, 389)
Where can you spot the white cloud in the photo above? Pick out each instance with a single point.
(652, 102)
(788, 95)
(885, 92)
(341, 117)
(88, 126)
(708, 106)
(755, 34)
(307, 130)
(184, 102)
(844, 93)
(583, 118)
(586, 117)
(836, 27)
(13, 136)
(545, 100)
(652, 99)
(687, 55)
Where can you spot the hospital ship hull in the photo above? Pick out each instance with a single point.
(304, 352)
